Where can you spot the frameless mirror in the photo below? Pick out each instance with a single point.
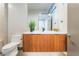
(44, 22)
(46, 19)
(47, 16)
(41, 13)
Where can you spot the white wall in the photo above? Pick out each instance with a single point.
(17, 18)
(3, 23)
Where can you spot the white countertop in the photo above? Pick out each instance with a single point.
(45, 32)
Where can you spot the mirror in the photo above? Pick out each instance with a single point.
(44, 22)
(42, 15)
(48, 16)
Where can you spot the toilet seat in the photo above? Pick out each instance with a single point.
(11, 48)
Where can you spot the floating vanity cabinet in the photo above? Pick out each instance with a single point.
(44, 42)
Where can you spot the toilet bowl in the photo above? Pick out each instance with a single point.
(10, 49)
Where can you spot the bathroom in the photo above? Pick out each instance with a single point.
(33, 29)
(49, 18)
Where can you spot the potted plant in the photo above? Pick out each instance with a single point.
(32, 26)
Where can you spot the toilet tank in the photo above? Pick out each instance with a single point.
(16, 38)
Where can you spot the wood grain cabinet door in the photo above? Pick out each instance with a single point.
(59, 43)
(27, 43)
(51, 43)
(43, 43)
(35, 43)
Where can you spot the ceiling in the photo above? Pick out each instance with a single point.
(43, 7)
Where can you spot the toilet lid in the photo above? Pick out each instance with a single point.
(9, 45)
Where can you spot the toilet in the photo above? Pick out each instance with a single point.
(10, 49)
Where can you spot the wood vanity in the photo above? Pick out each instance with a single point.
(44, 42)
